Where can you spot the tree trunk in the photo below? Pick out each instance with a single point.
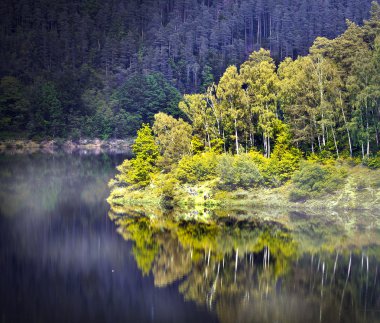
(363, 150)
(335, 143)
(322, 100)
(236, 258)
(258, 30)
(367, 125)
(236, 138)
(345, 123)
(318, 137)
(265, 145)
(251, 134)
(224, 142)
(367, 146)
(323, 133)
(208, 140)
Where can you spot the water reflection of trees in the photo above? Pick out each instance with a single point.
(251, 270)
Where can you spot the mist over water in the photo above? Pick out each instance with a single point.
(62, 258)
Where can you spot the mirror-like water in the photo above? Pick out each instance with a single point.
(65, 257)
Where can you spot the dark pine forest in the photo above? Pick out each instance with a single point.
(91, 68)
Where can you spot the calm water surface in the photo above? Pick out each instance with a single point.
(66, 257)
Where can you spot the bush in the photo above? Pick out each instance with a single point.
(217, 145)
(238, 171)
(296, 195)
(197, 168)
(264, 167)
(281, 169)
(138, 171)
(167, 187)
(284, 160)
(324, 157)
(373, 162)
(314, 180)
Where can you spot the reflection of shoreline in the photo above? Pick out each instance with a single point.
(82, 146)
(245, 269)
(315, 231)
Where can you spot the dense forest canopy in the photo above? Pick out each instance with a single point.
(260, 120)
(64, 63)
(328, 101)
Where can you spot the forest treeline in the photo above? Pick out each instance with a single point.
(328, 100)
(79, 68)
(257, 125)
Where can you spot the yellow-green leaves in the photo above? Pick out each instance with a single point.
(139, 169)
(259, 76)
(173, 137)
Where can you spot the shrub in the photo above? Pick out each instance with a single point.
(296, 195)
(217, 145)
(313, 180)
(238, 171)
(138, 170)
(324, 157)
(167, 187)
(263, 165)
(373, 162)
(285, 158)
(197, 168)
(282, 168)
(197, 145)
(310, 177)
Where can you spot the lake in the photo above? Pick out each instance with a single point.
(66, 257)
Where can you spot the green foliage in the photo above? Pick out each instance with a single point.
(199, 110)
(217, 145)
(313, 180)
(61, 108)
(47, 111)
(103, 69)
(207, 78)
(238, 171)
(145, 146)
(100, 124)
(125, 124)
(373, 162)
(140, 169)
(173, 137)
(258, 73)
(285, 158)
(147, 95)
(197, 145)
(197, 168)
(230, 93)
(167, 187)
(14, 106)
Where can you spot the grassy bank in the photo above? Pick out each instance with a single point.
(356, 188)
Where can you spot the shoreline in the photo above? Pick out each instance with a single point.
(95, 146)
(345, 200)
